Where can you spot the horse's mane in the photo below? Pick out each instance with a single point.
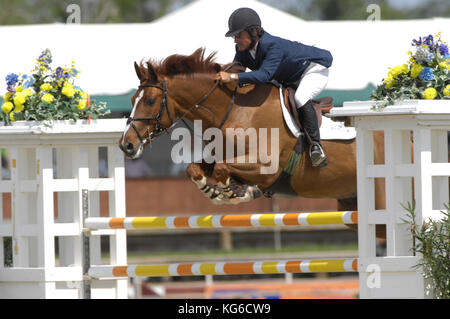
(177, 64)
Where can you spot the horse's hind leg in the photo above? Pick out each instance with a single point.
(232, 189)
(198, 174)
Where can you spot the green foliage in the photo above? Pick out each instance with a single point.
(432, 241)
(105, 11)
(7, 248)
(126, 11)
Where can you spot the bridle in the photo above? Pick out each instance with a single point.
(159, 129)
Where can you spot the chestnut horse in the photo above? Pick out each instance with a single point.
(184, 87)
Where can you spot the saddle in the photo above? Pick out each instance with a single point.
(322, 105)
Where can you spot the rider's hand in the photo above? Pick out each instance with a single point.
(223, 77)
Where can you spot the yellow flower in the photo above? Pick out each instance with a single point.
(7, 107)
(18, 108)
(7, 96)
(415, 70)
(19, 88)
(430, 93)
(68, 91)
(84, 95)
(11, 116)
(47, 97)
(389, 81)
(444, 65)
(19, 98)
(27, 92)
(68, 85)
(82, 105)
(46, 87)
(390, 84)
(447, 90)
(399, 69)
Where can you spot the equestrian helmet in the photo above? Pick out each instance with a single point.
(242, 19)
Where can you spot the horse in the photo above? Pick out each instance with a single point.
(184, 87)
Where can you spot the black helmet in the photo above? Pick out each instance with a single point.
(241, 19)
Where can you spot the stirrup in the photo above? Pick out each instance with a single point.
(318, 159)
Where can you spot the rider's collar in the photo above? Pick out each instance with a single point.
(253, 51)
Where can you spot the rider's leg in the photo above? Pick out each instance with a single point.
(308, 118)
(311, 84)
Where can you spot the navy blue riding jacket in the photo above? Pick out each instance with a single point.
(279, 59)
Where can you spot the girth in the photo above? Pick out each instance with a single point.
(282, 185)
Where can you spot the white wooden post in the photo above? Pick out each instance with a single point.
(36, 271)
(393, 275)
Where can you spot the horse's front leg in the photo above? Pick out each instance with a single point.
(199, 174)
(234, 191)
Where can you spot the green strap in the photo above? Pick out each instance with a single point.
(292, 162)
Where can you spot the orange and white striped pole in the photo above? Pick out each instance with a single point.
(226, 268)
(218, 221)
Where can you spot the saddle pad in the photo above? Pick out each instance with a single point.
(330, 130)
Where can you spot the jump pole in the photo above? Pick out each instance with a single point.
(219, 221)
(226, 268)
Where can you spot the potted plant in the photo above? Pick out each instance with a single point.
(47, 94)
(426, 75)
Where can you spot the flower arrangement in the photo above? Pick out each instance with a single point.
(47, 94)
(425, 76)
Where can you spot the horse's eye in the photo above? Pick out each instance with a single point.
(150, 101)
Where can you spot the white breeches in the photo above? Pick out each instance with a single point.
(312, 82)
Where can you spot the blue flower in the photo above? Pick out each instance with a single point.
(58, 72)
(429, 41)
(423, 55)
(446, 56)
(430, 57)
(417, 43)
(29, 81)
(426, 74)
(12, 79)
(46, 57)
(443, 49)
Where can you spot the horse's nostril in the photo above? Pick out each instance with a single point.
(130, 146)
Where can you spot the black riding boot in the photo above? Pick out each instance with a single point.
(308, 118)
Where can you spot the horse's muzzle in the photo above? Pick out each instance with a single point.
(127, 148)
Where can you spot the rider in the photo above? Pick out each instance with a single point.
(289, 63)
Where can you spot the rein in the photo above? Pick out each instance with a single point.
(164, 105)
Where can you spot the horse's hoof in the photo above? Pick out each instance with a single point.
(220, 201)
(254, 191)
(242, 199)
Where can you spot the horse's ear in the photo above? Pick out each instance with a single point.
(138, 71)
(152, 72)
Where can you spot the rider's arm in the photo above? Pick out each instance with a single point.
(269, 66)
